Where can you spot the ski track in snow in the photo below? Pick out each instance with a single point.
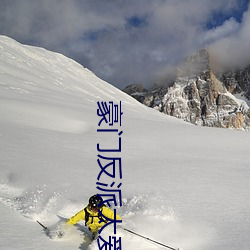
(147, 210)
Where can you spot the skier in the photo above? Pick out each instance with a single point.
(92, 216)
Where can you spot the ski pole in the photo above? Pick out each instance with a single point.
(45, 228)
(159, 243)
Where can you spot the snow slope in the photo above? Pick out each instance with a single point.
(182, 185)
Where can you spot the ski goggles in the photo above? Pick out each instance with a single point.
(93, 208)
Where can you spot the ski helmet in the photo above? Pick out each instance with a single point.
(94, 202)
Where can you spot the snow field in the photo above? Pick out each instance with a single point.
(182, 185)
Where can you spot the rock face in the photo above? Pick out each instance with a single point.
(137, 91)
(237, 81)
(200, 97)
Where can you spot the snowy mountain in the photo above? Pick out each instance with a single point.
(201, 96)
(237, 81)
(183, 185)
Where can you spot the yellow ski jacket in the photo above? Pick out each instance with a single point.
(93, 220)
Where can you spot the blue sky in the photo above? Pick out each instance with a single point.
(218, 17)
(131, 41)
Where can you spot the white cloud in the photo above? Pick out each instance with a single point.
(233, 50)
(228, 28)
(97, 32)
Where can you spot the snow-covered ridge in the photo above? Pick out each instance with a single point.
(34, 66)
(33, 74)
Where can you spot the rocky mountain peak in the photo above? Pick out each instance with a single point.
(200, 96)
(196, 64)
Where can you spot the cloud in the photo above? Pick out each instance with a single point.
(228, 28)
(121, 41)
(233, 49)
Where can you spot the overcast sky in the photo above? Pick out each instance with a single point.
(131, 41)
